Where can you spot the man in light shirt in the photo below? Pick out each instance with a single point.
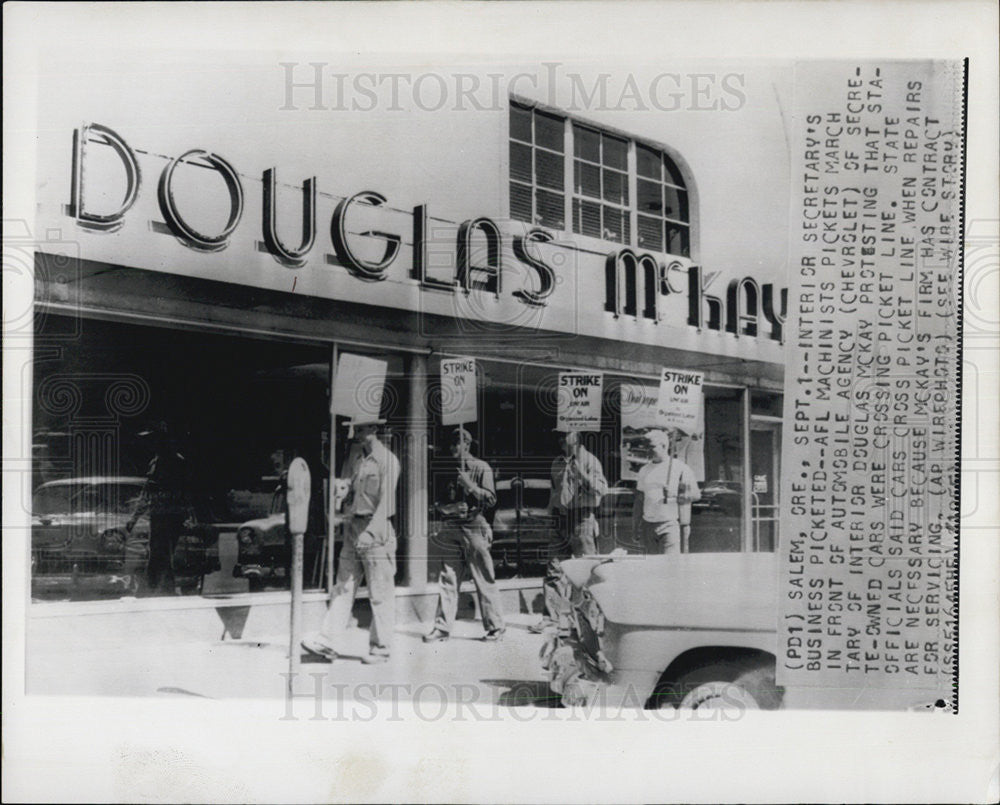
(369, 549)
(665, 489)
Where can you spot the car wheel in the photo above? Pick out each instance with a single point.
(191, 585)
(724, 685)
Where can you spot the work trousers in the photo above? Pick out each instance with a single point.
(164, 531)
(465, 545)
(658, 538)
(578, 532)
(378, 564)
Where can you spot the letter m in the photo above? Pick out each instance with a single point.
(621, 275)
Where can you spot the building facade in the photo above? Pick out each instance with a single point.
(205, 274)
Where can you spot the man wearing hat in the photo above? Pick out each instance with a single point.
(369, 548)
(665, 489)
(463, 491)
(578, 484)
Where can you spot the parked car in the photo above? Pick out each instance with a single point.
(696, 630)
(614, 520)
(722, 496)
(79, 542)
(522, 526)
(688, 630)
(264, 547)
(636, 445)
(522, 509)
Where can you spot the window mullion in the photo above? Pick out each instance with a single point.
(631, 178)
(534, 177)
(569, 171)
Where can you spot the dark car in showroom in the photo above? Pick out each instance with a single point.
(721, 496)
(525, 530)
(264, 546)
(80, 545)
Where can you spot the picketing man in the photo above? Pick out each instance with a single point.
(369, 549)
(464, 493)
(578, 485)
(665, 489)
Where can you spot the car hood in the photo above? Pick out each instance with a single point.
(509, 516)
(701, 590)
(265, 523)
(55, 528)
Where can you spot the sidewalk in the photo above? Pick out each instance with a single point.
(502, 673)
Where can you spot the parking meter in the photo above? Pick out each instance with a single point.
(297, 490)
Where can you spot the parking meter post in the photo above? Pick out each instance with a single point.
(298, 489)
(331, 541)
(294, 653)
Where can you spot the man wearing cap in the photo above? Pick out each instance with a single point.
(369, 548)
(664, 491)
(463, 492)
(578, 484)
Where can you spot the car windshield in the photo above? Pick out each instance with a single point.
(535, 498)
(111, 497)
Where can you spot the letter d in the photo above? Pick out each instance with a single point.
(107, 222)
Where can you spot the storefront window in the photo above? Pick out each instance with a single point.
(159, 456)
(514, 434)
(516, 414)
(717, 519)
(714, 453)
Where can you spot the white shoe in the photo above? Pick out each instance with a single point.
(315, 646)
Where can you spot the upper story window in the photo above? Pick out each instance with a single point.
(600, 185)
(537, 167)
(622, 191)
(662, 216)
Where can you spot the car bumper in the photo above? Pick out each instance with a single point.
(96, 582)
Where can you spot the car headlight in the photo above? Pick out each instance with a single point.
(245, 537)
(113, 540)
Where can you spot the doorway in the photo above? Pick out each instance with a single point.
(765, 475)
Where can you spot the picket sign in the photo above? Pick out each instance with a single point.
(680, 399)
(358, 386)
(578, 401)
(458, 391)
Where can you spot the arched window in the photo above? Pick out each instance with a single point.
(566, 174)
(663, 219)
